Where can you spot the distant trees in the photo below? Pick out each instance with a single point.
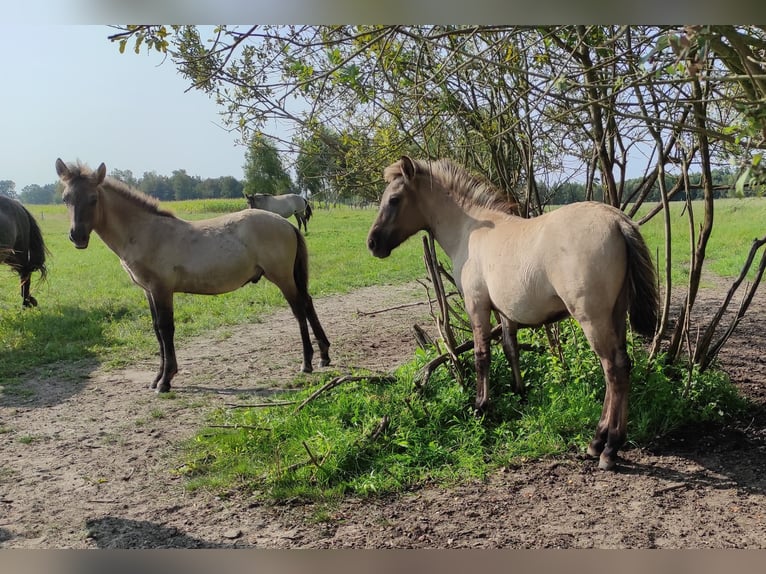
(8, 187)
(264, 172)
(179, 185)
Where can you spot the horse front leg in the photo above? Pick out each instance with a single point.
(511, 349)
(164, 328)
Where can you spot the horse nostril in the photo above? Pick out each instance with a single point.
(371, 243)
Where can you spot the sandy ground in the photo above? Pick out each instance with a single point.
(88, 457)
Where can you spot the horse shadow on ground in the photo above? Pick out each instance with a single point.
(730, 455)
(113, 532)
(55, 382)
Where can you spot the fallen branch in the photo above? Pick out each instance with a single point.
(246, 427)
(344, 379)
(260, 405)
(380, 429)
(394, 308)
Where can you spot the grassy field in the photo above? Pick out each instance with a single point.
(89, 308)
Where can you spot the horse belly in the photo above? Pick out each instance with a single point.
(526, 303)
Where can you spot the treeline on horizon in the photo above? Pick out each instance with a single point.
(182, 186)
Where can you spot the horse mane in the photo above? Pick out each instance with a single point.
(132, 194)
(466, 188)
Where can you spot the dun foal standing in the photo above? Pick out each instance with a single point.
(165, 255)
(585, 260)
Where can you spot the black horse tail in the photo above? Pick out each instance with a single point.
(642, 281)
(37, 250)
(301, 265)
(308, 209)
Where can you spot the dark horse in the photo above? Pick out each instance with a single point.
(165, 254)
(21, 245)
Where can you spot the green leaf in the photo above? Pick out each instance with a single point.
(741, 181)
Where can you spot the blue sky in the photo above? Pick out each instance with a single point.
(67, 92)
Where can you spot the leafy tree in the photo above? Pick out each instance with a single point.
(8, 187)
(231, 187)
(40, 195)
(158, 186)
(263, 168)
(532, 108)
(184, 186)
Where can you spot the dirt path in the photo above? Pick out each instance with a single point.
(87, 459)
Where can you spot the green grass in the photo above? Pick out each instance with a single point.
(91, 313)
(736, 222)
(326, 449)
(89, 310)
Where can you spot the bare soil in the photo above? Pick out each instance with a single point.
(88, 457)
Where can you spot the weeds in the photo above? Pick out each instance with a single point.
(337, 444)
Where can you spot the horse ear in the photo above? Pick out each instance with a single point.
(100, 173)
(408, 168)
(61, 169)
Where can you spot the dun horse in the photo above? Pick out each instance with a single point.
(21, 245)
(285, 205)
(585, 260)
(165, 255)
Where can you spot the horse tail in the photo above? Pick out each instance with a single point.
(301, 265)
(309, 211)
(642, 281)
(37, 250)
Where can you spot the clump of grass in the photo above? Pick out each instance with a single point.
(370, 436)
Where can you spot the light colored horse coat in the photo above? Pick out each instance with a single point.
(286, 205)
(165, 255)
(586, 260)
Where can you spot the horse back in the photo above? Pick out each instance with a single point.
(563, 261)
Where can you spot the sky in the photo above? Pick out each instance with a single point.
(68, 92)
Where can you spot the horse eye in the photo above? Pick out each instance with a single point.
(93, 200)
(393, 200)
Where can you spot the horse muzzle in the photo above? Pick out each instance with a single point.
(80, 239)
(377, 247)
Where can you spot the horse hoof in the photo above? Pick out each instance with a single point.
(307, 369)
(324, 363)
(606, 463)
(164, 388)
(594, 450)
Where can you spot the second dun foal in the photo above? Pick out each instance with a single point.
(165, 254)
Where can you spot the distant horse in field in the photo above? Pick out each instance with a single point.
(287, 205)
(586, 260)
(165, 255)
(21, 245)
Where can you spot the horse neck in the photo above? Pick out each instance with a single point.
(120, 219)
(449, 222)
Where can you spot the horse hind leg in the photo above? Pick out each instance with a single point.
(299, 312)
(26, 298)
(321, 337)
(610, 346)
